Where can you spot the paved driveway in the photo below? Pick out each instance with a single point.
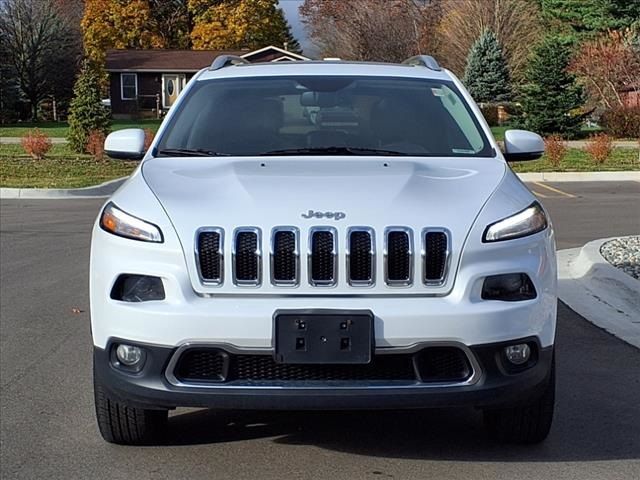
(48, 429)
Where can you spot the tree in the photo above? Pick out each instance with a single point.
(39, 48)
(551, 98)
(487, 74)
(588, 18)
(233, 24)
(170, 23)
(516, 24)
(608, 64)
(116, 24)
(374, 30)
(87, 114)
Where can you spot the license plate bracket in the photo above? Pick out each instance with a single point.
(325, 337)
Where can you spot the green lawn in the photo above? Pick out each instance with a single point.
(64, 169)
(577, 160)
(60, 129)
(61, 169)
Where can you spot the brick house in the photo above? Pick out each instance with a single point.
(145, 83)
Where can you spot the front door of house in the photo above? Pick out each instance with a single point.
(172, 85)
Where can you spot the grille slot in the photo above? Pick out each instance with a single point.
(202, 365)
(399, 257)
(285, 256)
(361, 257)
(210, 259)
(443, 364)
(247, 257)
(435, 257)
(323, 257)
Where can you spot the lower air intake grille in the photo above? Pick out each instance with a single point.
(323, 257)
(399, 257)
(429, 365)
(210, 255)
(435, 256)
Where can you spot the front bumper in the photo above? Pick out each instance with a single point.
(493, 385)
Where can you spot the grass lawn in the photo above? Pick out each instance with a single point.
(60, 129)
(61, 169)
(64, 169)
(577, 160)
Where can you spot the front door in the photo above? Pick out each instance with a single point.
(172, 85)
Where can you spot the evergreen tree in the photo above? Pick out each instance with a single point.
(487, 75)
(551, 97)
(86, 113)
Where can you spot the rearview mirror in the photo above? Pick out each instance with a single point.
(127, 144)
(522, 145)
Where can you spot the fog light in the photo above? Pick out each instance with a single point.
(510, 287)
(518, 354)
(137, 288)
(129, 355)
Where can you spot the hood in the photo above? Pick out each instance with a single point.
(281, 191)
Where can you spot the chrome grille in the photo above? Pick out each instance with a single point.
(361, 256)
(247, 257)
(435, 255)
(323, 251)
(209, 253)
(322, 267)
(398, 256)
(285, 256)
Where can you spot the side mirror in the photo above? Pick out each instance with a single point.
(127, 144)
(521, 145)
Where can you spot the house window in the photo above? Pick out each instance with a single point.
(129, 86)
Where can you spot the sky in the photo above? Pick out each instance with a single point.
(290, 9)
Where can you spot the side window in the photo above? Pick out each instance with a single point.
(458, 111)
(128, 86)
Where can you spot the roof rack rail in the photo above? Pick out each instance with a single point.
(423, 61)
(222, 61)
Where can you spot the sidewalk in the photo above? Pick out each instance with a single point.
(18, 140)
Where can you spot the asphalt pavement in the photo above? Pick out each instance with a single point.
(46, 407)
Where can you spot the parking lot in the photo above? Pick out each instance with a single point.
(48, 428)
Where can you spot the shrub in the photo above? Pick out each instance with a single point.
(95, 144)
(490, 113)
(555, 149)
(36, 143)
(86, 113)
(148, 138)
(622, 122)
(599, 147)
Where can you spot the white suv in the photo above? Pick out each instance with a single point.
(323, 235)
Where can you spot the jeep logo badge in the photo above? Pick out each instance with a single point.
(334, 215)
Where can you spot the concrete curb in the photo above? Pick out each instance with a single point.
(103, 190)
(603, 294)
(107, 188)
(580, 176)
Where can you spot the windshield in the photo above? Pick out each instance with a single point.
(324, 115)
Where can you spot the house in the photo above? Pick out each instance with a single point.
(630, 96)
(145, 83)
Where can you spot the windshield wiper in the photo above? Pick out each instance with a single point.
(332, 151)
(189, 152)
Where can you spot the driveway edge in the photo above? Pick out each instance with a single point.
(601, 293)
(633, 176)
(107, 188)
(103, 190)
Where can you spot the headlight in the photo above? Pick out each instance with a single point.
(527, 222)
(114, 220)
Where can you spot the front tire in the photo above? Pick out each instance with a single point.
(126, 425)
(525, 423)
